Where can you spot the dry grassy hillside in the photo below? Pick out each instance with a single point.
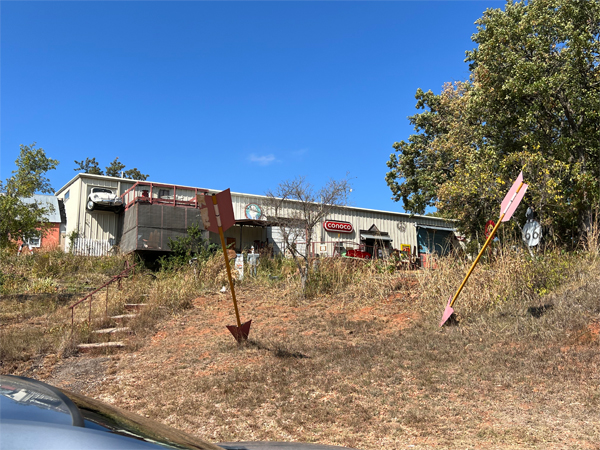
(360, 362)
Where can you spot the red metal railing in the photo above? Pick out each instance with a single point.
(90, 296)
(158, 193)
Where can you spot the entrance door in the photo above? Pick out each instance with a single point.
(434, 241)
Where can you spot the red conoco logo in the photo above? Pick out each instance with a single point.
(338, 227)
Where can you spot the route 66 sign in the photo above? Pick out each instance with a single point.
(532, 233)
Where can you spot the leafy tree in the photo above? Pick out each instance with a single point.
(532, 103)
(115, 168)
(297, 208)
(17, 218)
(135, 174)
(90, 165)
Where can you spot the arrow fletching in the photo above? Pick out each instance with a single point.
(513, 198)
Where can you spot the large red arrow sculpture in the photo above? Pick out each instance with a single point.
(217, 215)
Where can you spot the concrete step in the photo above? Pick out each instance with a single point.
(123, 317)
(134, 306)
(99, 345)
(113, 330)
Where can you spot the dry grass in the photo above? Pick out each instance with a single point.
(383, 376)
(362, 364)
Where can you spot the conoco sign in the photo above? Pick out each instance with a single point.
(337, 226)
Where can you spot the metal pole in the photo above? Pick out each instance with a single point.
(488, 240)
(235, 306)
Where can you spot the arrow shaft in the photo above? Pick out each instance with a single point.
(487, 242)
(505, 211)
(227, 266)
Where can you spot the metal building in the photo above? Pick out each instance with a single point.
(90, 232)
(154, 212)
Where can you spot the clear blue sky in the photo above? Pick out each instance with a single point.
(238, 95)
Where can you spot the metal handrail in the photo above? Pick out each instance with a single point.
(118, 278)
(157, 200)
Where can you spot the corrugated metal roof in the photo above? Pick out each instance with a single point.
(46, 201)
(256, 196)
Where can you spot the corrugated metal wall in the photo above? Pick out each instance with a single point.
(71, 199)
(97, 229)
(106, 227)
(99, 225)
(402, 228)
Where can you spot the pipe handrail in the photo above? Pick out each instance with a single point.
(90, 295)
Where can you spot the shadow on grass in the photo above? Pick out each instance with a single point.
(538, 311)
(278, 351)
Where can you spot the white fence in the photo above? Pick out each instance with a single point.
(92, 247)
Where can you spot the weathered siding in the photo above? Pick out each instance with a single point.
(104, 228)
(97, 230)
(401, 227)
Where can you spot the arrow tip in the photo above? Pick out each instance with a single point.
(240, 333)
(447, 312)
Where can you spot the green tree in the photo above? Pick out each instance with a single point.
(186, 248)
(532, 103)
(90, 165)
(115, 168)
(135, 174)
(17, 218)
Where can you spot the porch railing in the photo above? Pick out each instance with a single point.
(161, 194)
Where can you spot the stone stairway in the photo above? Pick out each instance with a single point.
(118, 329)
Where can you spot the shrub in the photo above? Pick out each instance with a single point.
(184, 249)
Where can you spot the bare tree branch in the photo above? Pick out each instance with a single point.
(297, 208)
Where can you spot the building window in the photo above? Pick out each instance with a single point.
(165, 193)
(67, 195)
(33, 241)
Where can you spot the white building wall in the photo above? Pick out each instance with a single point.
(97, 230)
(401, 227)
(100, 229)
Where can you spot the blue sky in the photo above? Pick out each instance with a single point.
(238, 95)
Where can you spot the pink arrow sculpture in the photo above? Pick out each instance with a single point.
(507, 208)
